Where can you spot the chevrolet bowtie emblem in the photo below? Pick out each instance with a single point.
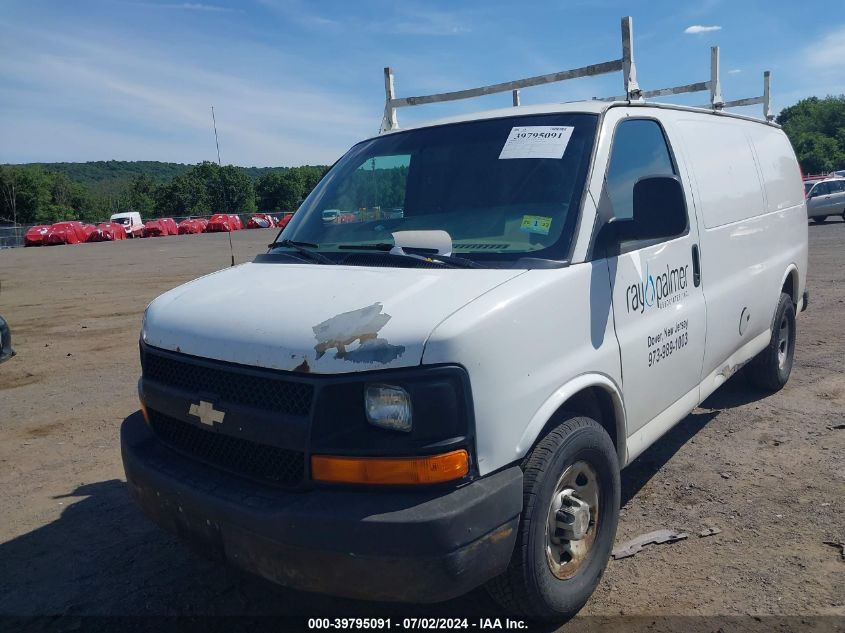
(206, 412)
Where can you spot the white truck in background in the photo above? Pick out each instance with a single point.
(131, 222)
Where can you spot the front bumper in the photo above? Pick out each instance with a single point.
(406, 546)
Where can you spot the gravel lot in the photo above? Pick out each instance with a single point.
(768, 471)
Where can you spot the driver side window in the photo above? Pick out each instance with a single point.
(639, 150)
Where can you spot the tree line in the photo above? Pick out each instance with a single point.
(37, 194)
(816, 128)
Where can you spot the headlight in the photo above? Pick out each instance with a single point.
(144, 324)
(388, 407)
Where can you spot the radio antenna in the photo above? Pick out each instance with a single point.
(222, 191)
(216, 142)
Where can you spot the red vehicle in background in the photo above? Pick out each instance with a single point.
(261, 221)
(223, 223)
(154, 228)
(191, 226)
(283, 220)
(65, 233)
(34, 235)
(170, 226)
(108, 232)
(89, 230)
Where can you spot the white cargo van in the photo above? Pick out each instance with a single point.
(131, 221)
(405, 408)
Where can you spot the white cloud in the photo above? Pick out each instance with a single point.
(119, 99)
(696, 29)
(188, 6)
(829, 52)
(401, 19)
(734, 71)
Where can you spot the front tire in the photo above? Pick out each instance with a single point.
(771, 368)
(557, 562)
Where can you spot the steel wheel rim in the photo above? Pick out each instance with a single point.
(783, 341)
(567, 557)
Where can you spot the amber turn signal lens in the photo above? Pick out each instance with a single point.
(393, 470)
(144, 410)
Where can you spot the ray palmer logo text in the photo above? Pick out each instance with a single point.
(661, 290)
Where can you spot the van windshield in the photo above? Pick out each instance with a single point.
(504, 189)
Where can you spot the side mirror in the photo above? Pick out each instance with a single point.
(660, 209)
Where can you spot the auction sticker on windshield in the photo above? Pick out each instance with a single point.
(537, 141)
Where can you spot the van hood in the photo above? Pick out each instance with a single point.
(313, 318)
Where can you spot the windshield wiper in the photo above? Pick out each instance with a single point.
(303, 248)
(455, 262)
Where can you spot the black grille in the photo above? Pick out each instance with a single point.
(231, 386)
(264, 463)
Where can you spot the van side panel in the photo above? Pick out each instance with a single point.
(754, 229)
(521, 343)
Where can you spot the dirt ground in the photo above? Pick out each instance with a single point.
(768, 471)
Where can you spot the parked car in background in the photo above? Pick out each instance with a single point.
(154, 228)
(65, 233)
(88, 230)
(224, 222)
(131, 221)
(34, 235)
(169, 225)
(282, 220)
(261, 221)
(6, 350)
(191, 226)
(825, 198)
(108, 232)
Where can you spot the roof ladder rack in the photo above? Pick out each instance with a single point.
(714, 86)
(764, 99)
(625, 64)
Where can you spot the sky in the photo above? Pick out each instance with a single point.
(298, 82)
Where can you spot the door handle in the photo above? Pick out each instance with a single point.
(696, 267)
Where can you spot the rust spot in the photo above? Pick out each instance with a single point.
(303, 366)
(502, 533)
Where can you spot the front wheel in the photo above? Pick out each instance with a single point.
(771, 368)
(570, 510)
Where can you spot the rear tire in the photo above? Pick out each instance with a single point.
(550, 577)
(771, 368)
(818, 219)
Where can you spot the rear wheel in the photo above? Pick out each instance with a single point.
(818, 219)
(568, 524)
(771, 368)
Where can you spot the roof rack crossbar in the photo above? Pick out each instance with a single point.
(626, 64)
(713, 85)
(764, 99)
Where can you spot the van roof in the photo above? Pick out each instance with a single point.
(590, 107)
(124, 214)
